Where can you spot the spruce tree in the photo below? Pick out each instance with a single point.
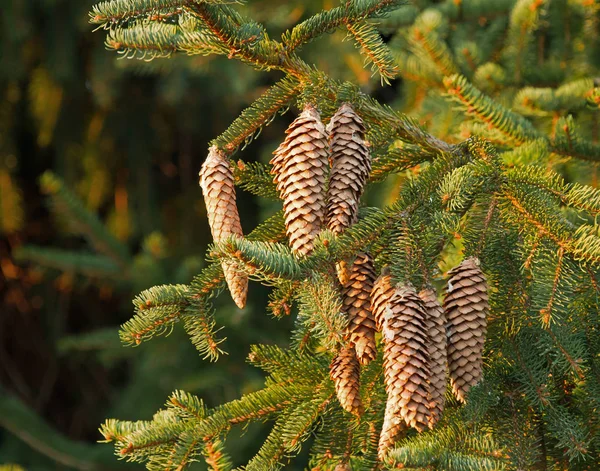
(490, 155)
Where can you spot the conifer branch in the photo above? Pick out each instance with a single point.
(484, 109)
(247, 126)
(263, 260)
(327, 21)
(256, 178)
(374, 49)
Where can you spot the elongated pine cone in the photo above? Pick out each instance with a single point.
(382, 292)
(357, 305)
(350, 168)
(216, 180)
(393, 426)
(436, 329)
(406, 358)
(345, 373)
(300, 170)
(466, 305)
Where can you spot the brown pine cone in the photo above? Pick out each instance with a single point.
(216, 180)
(300, 168)
(466, 305)
(345, 373)
(382, 292)
(406, 358)
(350, 168)
(436, 329)
(393, 426)
(356, 304)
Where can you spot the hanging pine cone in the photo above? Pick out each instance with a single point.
(350, 168)
(466, 307)
(393, 426)
(345, 373)
(436, 329)
(300, 169)
(406, 358)
(216, 180)
(380, 296)
(356, 304)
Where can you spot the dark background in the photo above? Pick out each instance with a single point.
(128, 138)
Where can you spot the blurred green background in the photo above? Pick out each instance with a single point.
(127, 139)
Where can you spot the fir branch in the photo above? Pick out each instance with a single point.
(374, 49)
(484, 109)
(397, 160)
(287, 365)
(157, 40)
(256, 178)
(249, 123)
(524, 20)
(199, 322)
(290, 431)
(245, 40)
(429, 47)
(325, 22)
(117, 13)
(321, 311)
(454, 447)
(81, 220)
(157, 308)
(282, 298)
(259, 405)
(271, 230)
(263, 260)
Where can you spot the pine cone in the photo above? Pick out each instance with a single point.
(356, 304)
(466, 307)
(436, 329)
(216, 180)
(380, 296)
(300, 168)
(343, 467)
(345, 373)
(393, 426)
(350, 168)
(406, 358)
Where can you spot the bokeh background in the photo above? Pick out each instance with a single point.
(125, 139)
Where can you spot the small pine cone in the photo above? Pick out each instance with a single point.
(383, 290)
(216, 180)
(343, 467)
(357, 305)
(393, 426)
(345, 373)
(350, 168)
(406, 358)
(436, 329)
(466, 306)
(300, 169)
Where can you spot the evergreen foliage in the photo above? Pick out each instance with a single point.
(503, 167)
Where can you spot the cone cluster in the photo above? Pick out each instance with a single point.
(216, 180)
(299, 166)
(423, 341)
(466, 305)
